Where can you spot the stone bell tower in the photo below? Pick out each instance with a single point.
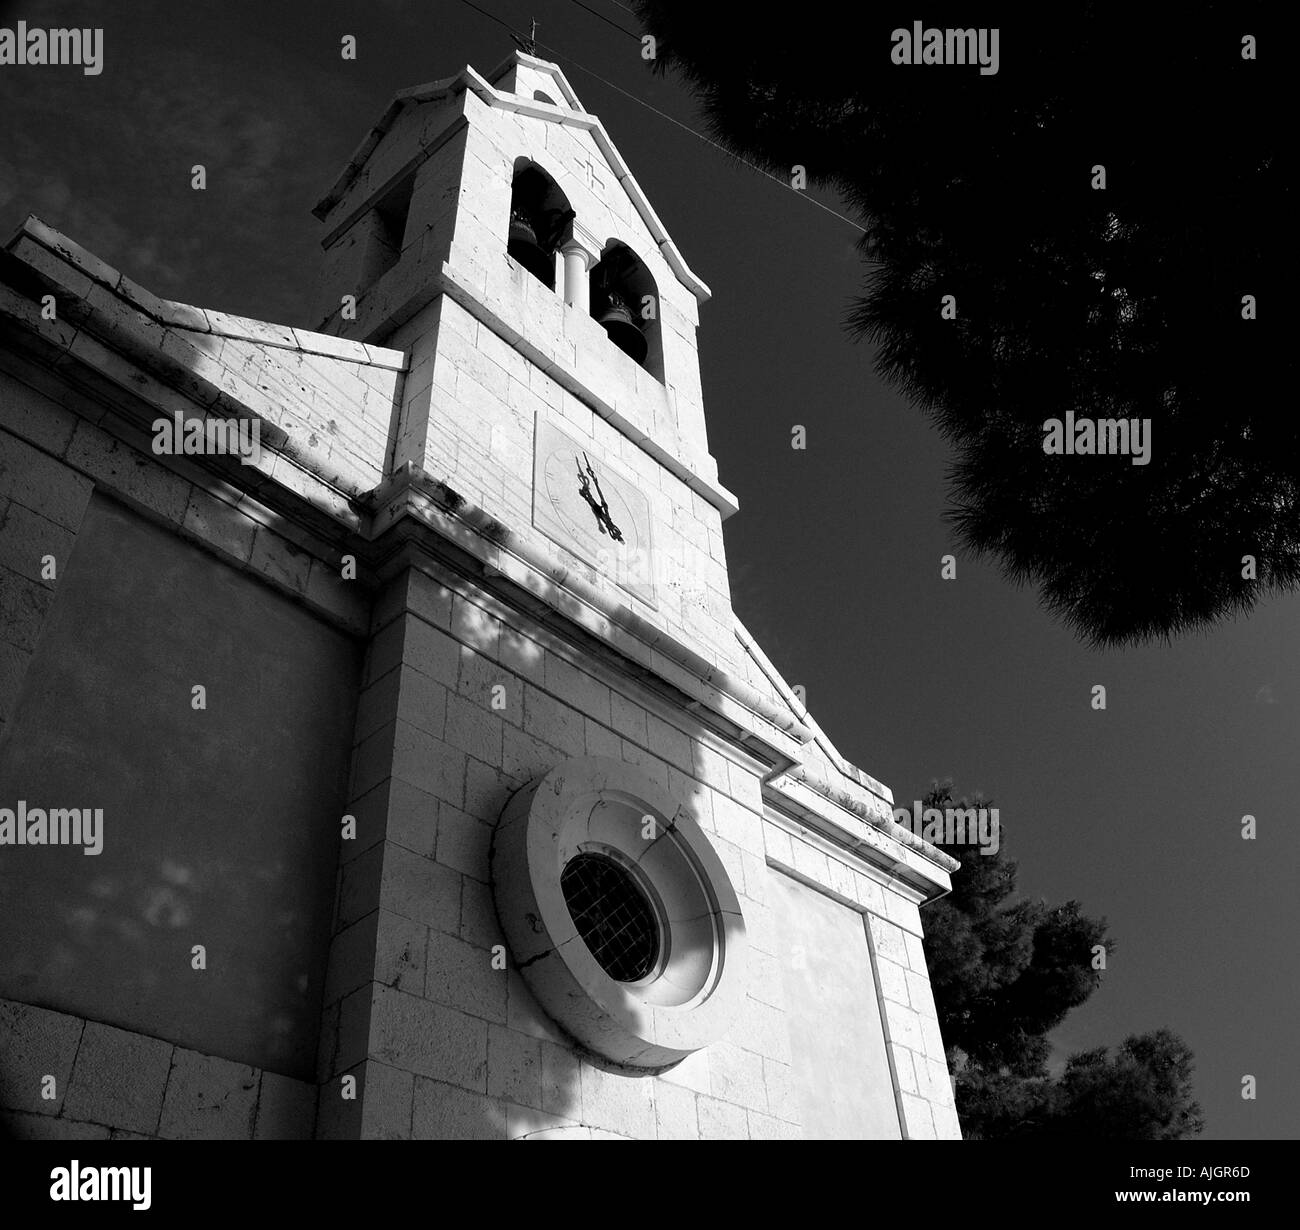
(488, 229)
(588, 810)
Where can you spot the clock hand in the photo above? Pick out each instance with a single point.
(584, 488)
(605, 521)
(603, 502)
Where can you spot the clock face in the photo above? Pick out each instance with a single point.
(583, 505)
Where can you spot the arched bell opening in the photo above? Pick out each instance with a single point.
(540, 220)
(625, 303)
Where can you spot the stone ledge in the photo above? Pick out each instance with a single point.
(849, 826)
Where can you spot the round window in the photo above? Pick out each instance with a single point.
(618, 912)
(613, 916)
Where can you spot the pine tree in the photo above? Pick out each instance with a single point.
(1122, 302)
(1005, 972)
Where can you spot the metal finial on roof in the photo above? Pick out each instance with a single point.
(527, 45)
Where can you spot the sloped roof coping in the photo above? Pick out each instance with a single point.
(169, 312)
(800, 711)
(811, 775)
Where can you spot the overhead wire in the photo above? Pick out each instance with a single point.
(608, 21)
(730, 154)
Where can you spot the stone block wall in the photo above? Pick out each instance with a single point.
(440, 1041)
(460, 154)
(41, 506)
(470, 408)
(66, 1078)
(671, 412)
(892, 938)
(57, 455)
(325, 404)
(58, 444)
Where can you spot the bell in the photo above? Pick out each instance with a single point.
(521, 243)
(622, 329)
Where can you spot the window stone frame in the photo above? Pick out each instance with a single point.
(597, 804)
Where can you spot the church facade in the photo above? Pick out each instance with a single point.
(438, 791)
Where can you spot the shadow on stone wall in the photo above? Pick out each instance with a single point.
(200, 918)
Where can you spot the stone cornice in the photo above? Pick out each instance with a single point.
(411, 495)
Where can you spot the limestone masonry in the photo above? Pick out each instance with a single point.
(441, 793)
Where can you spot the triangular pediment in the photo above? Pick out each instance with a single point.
(510, 87)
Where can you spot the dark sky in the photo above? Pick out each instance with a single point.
(835, 553)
